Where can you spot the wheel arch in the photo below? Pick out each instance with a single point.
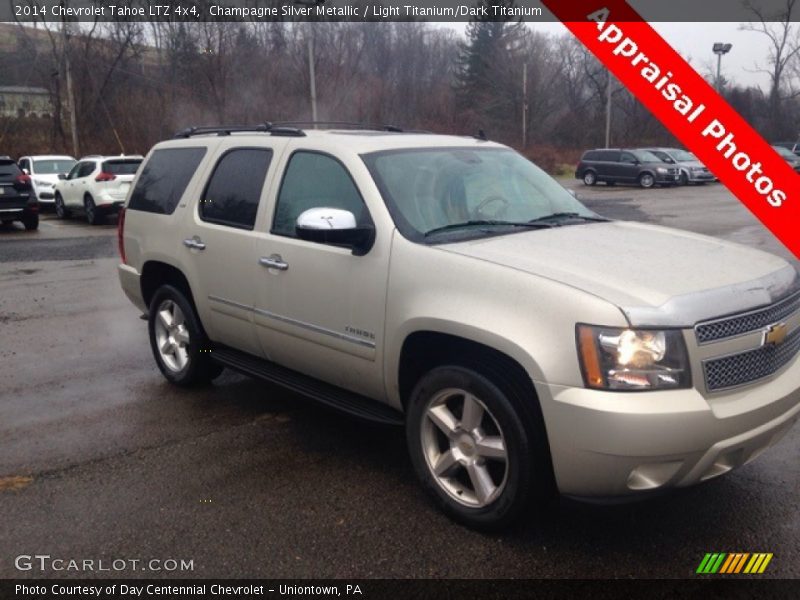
(156, 273)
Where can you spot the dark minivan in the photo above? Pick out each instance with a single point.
(625, 166)
(17, 201)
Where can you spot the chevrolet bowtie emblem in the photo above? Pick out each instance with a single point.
(775, 335)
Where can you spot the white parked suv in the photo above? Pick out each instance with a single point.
(448, 284)
(96, 186)
(44, 171)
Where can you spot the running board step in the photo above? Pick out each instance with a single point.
(325, 393)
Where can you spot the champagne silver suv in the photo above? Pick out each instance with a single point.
(447, 284)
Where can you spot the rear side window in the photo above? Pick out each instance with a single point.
(86, 169)
(121, 167)
(608, 155)
(232, 194)
(591, 155)
(164, 179)
(9, 169)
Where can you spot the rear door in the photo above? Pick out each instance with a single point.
(628, 167)
(220, 240)
(608, 166)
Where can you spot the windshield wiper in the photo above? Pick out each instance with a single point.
(488, 222)
(568, 215)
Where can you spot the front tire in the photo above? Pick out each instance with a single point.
(471, 448)
(179, 345)
(62, 212)
(646, 180)
(684, 178)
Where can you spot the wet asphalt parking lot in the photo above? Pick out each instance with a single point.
(101, 459)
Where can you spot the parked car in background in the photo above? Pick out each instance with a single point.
(793, 147)
(691, 170)
(44, 171)
(17, 201)
(95, 186)
(792, 158)
(625, 166)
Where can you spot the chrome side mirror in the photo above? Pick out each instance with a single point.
(335, 226)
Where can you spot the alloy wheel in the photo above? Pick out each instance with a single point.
(172, 336)
(464, 448)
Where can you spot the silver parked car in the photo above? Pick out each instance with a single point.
(692, 170)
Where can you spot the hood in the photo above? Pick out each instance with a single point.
(655, 275)
(691, 164)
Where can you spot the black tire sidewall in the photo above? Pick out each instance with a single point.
(593, 176)
(643, 177)
(31, 222)
(200, 369)
(517, 493)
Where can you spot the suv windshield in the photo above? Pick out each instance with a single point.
(52, 166)
(683, 156)
(468, 192)
(645, 156)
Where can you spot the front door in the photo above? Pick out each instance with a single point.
(319, 308)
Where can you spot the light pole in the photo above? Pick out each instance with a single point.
(720, 49)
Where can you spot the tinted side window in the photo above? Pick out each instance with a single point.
(164, 179)
(609, 155)
(315, 180)
(86, 169)
(591, 155)
(627, 157)
(232, 194)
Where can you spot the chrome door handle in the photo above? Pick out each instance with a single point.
(273, 262)
(194, 243)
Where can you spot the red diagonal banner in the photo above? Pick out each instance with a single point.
(690, 108)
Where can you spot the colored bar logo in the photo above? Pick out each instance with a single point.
(734, 563)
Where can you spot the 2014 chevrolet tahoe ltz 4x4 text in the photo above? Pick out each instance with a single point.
(447, 283)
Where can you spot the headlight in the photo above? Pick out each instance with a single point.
(662, 170)
(697, 169)
(633, 360)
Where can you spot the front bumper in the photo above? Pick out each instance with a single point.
(701, 177)
(667, 178)
(611, 444)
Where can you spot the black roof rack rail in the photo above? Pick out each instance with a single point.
(221, 130)
(343, 124)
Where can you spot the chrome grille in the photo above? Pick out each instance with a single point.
(739, 369)
(747, 322)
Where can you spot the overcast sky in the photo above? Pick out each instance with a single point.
(694, 41)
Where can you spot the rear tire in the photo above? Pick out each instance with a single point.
(179, 345)
(31, 222)
(479, 464)
(590, 178)
(62, 212)
(93, 214)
